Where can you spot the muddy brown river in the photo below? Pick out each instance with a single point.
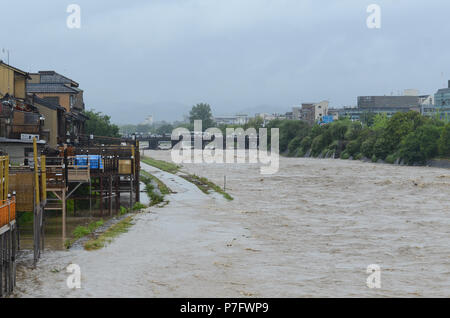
(309, 230)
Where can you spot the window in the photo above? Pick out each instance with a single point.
(28, 151)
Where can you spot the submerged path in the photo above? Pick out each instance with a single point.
(174, 251)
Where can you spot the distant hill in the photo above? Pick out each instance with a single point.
(135, 113)
(251, 111)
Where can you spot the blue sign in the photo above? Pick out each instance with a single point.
(327, 119)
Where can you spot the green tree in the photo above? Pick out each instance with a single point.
(100, 125)
(294, 145)
(143, 128)
(256, 123)
(444, 141)
(399, 126)
(128, 129)
(420, 145)
(202, 112)
(367, 118)
(380, 121)
(289, 129)
(164, 129)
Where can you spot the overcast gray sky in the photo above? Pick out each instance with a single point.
(136, 58)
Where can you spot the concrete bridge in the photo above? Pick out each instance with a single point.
(153, 142)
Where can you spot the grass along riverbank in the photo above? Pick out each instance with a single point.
(204, 184)
(162, 165)
(107, 237)
(82, 231)
(155, 188)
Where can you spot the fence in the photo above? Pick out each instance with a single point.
(7, 211)
(8, 246)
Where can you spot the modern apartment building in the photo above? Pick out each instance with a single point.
(314, 112)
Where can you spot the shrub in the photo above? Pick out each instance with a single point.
(367, 147)
(420, 145)
(93, 226)
(301, 152)
(391, 158)
(306, 143)
(317, 145)
(353, 147)
(444, 141)
(293, 146)
(138, 206)
(345, 155)
(81, 231)
(380, 148)
(123, 210)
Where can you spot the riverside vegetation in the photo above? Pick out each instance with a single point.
(205, 185)
(405, 137)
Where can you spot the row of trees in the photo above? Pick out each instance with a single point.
(100, 124)
(159, 128)
(409, 136)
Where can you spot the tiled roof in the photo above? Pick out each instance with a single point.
(50, 77)
(49, 88)
(47, 103)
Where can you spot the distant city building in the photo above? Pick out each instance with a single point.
(239, 119)
(440, 106)
(442, 97)
(334, 112)
(389, 103)
(411, 92)
(265, 117)
(225, 120)
(296, 112)
(426, 100)
(313, 112)
(148, 120)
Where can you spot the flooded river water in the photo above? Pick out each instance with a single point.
(309, 230)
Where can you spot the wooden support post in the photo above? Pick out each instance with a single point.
(2, 163)
(101, 195)
(110, 195)
(137, 183)
(6, 178)
(90, 196)
(131, 193)
(43, 178)
(37, 207)
(117, 181)
(63, 199)
(36, 174)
